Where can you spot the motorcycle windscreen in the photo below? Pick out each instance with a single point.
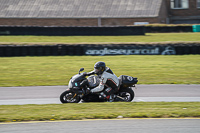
(93, 81)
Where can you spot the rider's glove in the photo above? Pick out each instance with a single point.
(85, 74)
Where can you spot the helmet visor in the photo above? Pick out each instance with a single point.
(97, 69)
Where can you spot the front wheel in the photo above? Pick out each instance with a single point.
(69, 97)
(127, 94)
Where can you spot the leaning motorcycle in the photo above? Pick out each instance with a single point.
(76, 87)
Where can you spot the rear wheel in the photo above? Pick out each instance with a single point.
(69, 97)
(127, 94)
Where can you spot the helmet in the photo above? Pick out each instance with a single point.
(99, 67)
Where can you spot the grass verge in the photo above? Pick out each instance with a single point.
(12, 113)
(149, 37)
(57, 70)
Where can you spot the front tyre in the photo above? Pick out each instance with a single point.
(69, 97)
(127, 94)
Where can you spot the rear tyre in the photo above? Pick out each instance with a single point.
(127, 94)
(69, 97)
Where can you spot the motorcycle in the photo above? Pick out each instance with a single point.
(79, 83)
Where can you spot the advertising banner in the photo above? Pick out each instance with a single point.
(134, 50)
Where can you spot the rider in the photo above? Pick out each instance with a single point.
(109, 83)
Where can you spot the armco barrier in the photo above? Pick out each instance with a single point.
(72, 31)
(94, 49)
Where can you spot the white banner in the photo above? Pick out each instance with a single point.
(152, 50)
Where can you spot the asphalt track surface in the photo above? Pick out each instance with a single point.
(107, 126)
(50, 94)
(145, 93)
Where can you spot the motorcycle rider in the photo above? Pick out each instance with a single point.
(109, 82)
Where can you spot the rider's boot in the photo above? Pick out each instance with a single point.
(111, 98)
(119, 99)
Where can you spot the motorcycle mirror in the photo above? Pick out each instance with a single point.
(81, 70)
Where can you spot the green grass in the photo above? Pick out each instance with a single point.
(12, 113)
(149, 37)
(57, 70)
